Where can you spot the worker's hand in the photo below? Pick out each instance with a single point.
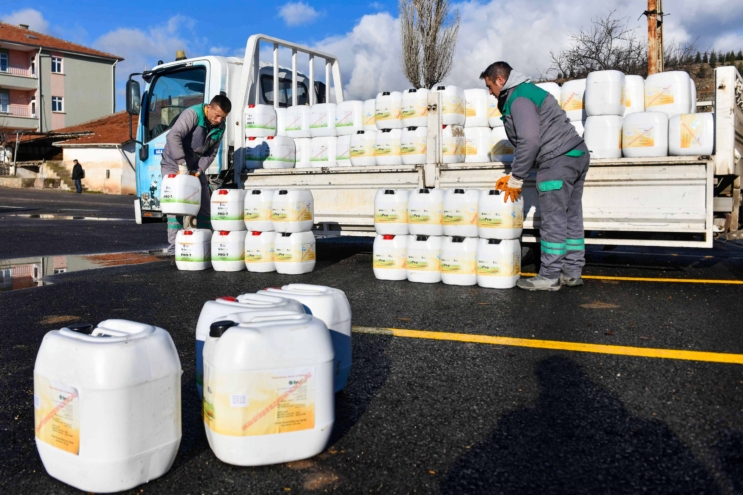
(512, 187)
(195, 173)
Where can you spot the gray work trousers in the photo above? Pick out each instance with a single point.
(203, 218)
(560, 186)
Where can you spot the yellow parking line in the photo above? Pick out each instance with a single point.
(651, 279)
(712, 357)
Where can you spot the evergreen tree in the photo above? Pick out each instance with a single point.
(730, 56)
(713, 59)
(740, 55)
(698, 58)
(705, 58)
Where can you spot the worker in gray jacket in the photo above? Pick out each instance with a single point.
(193, 141)
(543, 136)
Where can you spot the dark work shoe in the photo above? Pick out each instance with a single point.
(172, 260)
(539, 283)
(571, 282)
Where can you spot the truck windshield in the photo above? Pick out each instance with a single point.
(169, 95)
(285, 91)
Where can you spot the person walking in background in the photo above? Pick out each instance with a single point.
(78, 174)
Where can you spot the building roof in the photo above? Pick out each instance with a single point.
(23, 36)
(112, 129)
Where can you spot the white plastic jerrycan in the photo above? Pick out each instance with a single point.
(363, 153)
(370, 115)
(415, 107)
(460, 212)
(391, 211)
(331, 306)
(322, 120)
(260, 120)
(107, 404)
(228, 209)
(498, 263)
(298, 121)
(349, 117)
(180, 194)
(257, 209)
(414, 145)
(268, 389)
(388, 110)
(281, 152)
(293, 210)
(259, 251)
(228, 251)
(497, 219)
(294, 253)
(459, 261)
(217, 309)
(193, 249)
(452, 105)
(426, 212)
(390, 257)
(424, 259)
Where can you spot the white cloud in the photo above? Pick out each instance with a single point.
(376, 6)
(298, 13)
(32, 17)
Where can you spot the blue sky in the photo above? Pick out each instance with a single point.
(364, 35)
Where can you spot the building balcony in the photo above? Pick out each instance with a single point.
(17, 78)
(17, 117)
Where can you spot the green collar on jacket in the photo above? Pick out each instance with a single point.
(524, 90)
(216, 133)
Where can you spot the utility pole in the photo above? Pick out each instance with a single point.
(655, 36)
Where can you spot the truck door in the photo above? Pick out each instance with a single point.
(169, 94)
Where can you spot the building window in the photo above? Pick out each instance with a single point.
(3, 62)
(57, 104)
(33, 107)
(4, 103)
(33, 65)
(57, 65)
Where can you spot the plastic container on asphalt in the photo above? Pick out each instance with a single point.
(107, 404)
(391, 211)
(459, 261)
(426, 212)
(498, 263)
(423, 263)
(180, 194)
(193, 248)
(415, 107)
(460, 212)
(217, 309)
(691, 134)
(390, 257)
(363, 153)
(257, 209)
(294, 253)
(322, 120)
(269, 389)
(259, 251)
(497, 219)
(228, 209)
(388, 110)
(228, 251)
(293, 210)
(645, 134)
(331, 306)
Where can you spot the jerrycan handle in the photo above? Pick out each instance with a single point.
(121, 328)
(261, 319)
(306, 288)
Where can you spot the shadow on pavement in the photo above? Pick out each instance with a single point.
(577, 439)
(730, 450)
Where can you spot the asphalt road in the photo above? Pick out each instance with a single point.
(421, 415)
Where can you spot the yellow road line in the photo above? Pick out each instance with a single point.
(712, 357)
(651, 279)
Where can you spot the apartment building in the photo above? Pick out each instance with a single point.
(47, 83)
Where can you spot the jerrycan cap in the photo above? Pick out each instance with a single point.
(388, 237)
(412, 90)
(255, 232)
(389, 191)
(222, 192)
(224, 232)
(188, 232)
(269, 137)
(494, 192)
(84, 328)
(457, 239)
(439, 88)
(218, 328)
(251, 105)
(256, 191)
(251, 138)
(494, 241)
(286, 234)
(458, 191)
(386, 130)
(359, 132)
(171, 176)
(421, 238)
(423, 191)
(386, 93)
(283, 192)
(412, 128)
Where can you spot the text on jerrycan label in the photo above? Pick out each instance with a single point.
(394, 260)
(227, 251)
(224, 211)
(426, 216)
(503, 266)
(259, 254)
(513, 219)
(452, 104)
(458, 265)
(424, 262)
(297, 212)
(57, 414)
(196, 252)
(257, 213)
(295, 253)
(638, 137)
(390, 214)
(460, 216)
(243, 404)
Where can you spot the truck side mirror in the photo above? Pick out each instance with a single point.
(133, 97)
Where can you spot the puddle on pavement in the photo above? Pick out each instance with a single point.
(25, 273)
(51, 216)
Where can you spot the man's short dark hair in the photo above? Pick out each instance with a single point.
(497, 69)
(222, 102)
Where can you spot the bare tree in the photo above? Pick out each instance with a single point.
(679, 56)
(429, 36)
(608, 44)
